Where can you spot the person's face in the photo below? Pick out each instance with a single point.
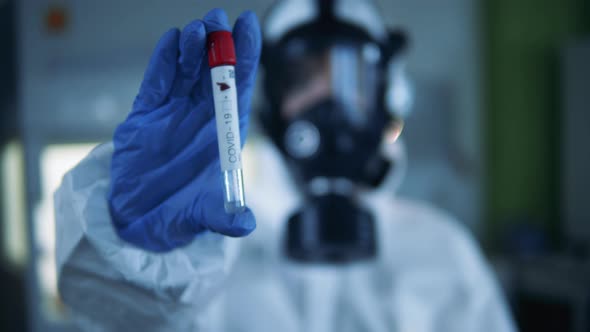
(311, 85)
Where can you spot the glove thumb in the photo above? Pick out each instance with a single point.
(211, 214)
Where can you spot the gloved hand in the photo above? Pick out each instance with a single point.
(166, 182)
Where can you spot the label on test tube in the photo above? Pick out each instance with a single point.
(222, 59)
(226, 116)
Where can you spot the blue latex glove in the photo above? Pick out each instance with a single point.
(166, 184)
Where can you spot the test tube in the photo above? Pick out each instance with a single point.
(222, 61)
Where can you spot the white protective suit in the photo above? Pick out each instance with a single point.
(429, 274)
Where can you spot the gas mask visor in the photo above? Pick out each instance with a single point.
(344, 71)
(328, 94)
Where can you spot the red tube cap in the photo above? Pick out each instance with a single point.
(220, 46)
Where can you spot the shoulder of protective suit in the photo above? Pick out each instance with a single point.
(432, 251)
(416, 214)
(429, 215)
(432, 237)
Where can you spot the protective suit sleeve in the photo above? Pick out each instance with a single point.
(112, 285)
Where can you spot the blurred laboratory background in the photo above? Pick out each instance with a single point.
(499, 134)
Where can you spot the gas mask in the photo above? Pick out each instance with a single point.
(326, 83)
(322, 143)
(331, 157)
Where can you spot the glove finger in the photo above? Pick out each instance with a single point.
(248, 44)
(216, 20)
(192, 52)
(234, 225)
(191, 164)
(161, 230)
(160, 73)
(209, 211)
